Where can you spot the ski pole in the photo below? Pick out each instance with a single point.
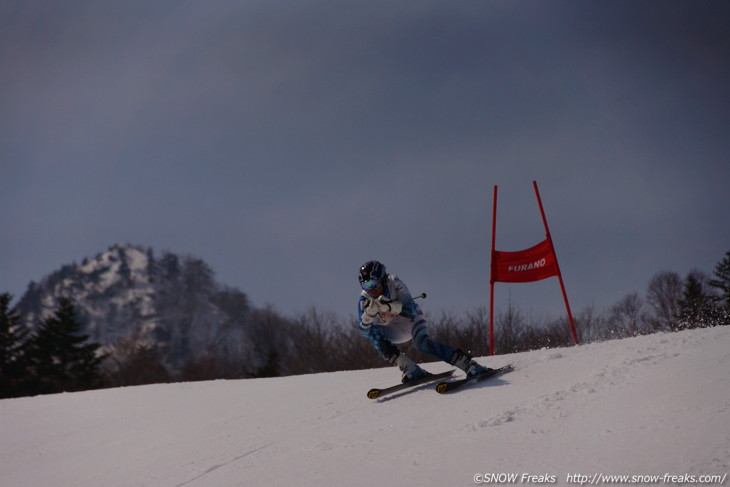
(420, 296)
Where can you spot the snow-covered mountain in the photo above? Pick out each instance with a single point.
(650, 410)
(171, 303)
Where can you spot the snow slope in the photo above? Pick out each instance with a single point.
(649, 405)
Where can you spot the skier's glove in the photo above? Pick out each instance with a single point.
(370, 308)
(388, 306)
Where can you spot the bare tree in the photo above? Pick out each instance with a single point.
(663, 297)
(508, 327)
(590, 325)
(627, 317)
(133, 362)
(272, 338)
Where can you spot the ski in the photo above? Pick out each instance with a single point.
(444, 387)
(376, 393)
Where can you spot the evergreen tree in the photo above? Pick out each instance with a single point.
(696, 308)
(12, 349)
(151, 265)
(722, 282)
(124, 270)
(61, 358)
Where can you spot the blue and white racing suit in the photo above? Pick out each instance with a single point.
(386, 329)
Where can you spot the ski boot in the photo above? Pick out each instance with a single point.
(410, 369)
(465, 362)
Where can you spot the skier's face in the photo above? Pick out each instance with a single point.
(375, 292)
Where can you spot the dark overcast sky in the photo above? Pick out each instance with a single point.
(287, 142)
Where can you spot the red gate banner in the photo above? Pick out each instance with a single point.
(533, 264)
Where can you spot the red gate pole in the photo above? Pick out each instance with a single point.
(557, 265)
(491, 275)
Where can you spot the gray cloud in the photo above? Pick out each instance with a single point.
(287, 142)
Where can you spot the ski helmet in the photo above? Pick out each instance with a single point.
(372, 274)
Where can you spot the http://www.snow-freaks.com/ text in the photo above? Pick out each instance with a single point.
(599, 479)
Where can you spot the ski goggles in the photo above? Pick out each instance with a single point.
(370, 284)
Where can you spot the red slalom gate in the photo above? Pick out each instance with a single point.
(533, 264)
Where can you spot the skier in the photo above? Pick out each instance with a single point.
(389, 315)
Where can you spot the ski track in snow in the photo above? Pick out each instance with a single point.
(648, 405)
(216, 467)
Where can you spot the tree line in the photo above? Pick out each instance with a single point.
(57, 356)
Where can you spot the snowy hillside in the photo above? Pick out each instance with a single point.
(645, 406)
